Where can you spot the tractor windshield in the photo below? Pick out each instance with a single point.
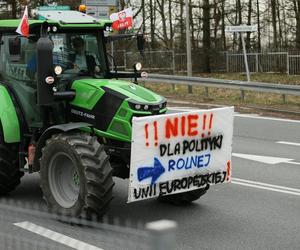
(78, 54)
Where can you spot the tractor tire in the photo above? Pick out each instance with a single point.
(76, 176)
(10, 175)
(183, 198)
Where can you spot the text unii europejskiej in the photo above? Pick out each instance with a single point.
(185, 183)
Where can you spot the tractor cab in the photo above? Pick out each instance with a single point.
(75, 51)
(64, 51)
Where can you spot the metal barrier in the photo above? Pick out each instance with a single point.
(228, 84)
(27, 227)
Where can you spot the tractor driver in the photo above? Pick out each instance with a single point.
(82, 60)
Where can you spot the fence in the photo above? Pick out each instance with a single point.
(153, 61)
(29, 227)
(294, 64)
(258, 62)
(170, 62)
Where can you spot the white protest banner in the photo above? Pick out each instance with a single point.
(180, 152)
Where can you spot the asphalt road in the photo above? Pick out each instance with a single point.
(260, 209)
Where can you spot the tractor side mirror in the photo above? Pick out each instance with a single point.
(14, 45)
(140, 43)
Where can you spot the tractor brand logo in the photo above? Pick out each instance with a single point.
(82, 114)
(132, 87)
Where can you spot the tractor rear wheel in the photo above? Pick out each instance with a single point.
(76, 176)
(184, 198)
(10, 175)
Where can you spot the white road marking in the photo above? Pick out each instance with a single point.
(262, 158)
(253, 116)
(57, 237)
(267, 118)
(289, 143)
(266, 186)
(294, 163)
(182, 108)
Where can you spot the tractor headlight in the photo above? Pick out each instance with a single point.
(137, 106)
(108, 28)
(138, 66)
(147, 107)
(58, 70)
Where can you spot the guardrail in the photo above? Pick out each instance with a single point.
(228, 84)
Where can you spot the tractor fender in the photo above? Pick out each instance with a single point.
(51, 131)
(8, 117)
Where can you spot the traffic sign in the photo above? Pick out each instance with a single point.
(48, 8)
(101, 2)
(100, 9)
(241, 28)
(101, 12)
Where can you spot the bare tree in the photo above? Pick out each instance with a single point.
(258, 26)
(249, 23)
(296, 8)
(206, 35)
(274, 23)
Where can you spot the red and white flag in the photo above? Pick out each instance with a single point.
(122, 20)
(23, 28)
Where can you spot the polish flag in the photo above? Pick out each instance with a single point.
(23, 28)
(122, 20)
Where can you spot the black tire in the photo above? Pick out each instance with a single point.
(184, 198)
(93, 194)
(10, 174)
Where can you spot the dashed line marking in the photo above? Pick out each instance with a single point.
(289, 143)
(266, 186)
(57, 237)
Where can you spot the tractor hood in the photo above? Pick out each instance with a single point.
(109, 105)
(127, 89)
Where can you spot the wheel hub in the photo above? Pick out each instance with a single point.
(64, 180)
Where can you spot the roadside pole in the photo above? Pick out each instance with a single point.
(188, 45)
(163, 234)
(245, 57)
(243, 29)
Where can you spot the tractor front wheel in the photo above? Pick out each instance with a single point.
(76, 176)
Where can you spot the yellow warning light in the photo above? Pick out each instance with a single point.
(82, 8)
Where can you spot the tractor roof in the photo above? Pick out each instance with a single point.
(62, 19)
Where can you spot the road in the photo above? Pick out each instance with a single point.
(260, 209)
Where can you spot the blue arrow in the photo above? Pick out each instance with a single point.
(154, 172)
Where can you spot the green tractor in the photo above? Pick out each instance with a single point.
(65, 114)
